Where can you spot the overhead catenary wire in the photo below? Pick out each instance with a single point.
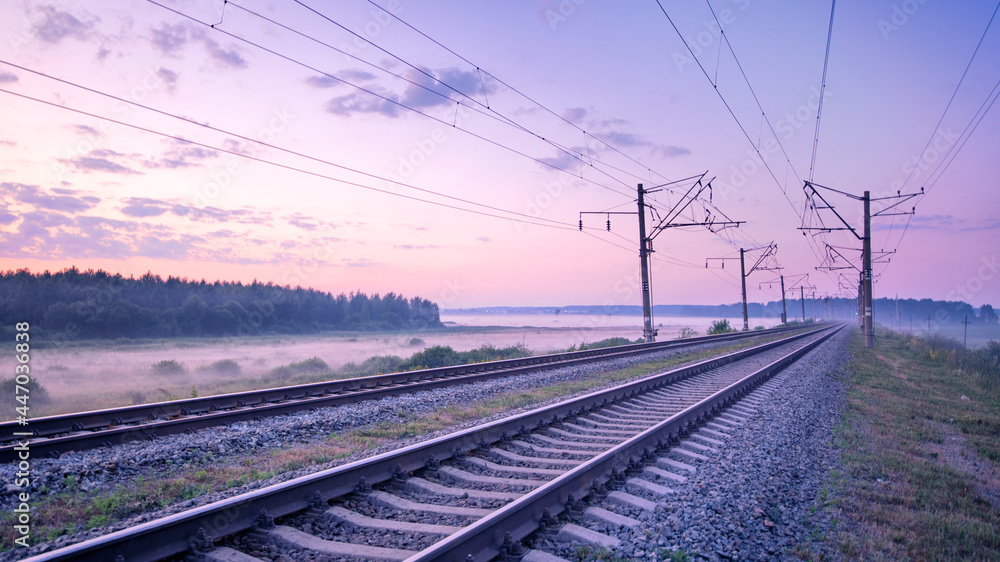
(479, 107)
(513, 89)
(726, 103)
(479, 71)
(237, 153)
(276, 147)
(746, 79)
(822, 90)
(395, 102)
(732, 113)
(955, 93)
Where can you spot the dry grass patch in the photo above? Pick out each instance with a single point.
(904, 493)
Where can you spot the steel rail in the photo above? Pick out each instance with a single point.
(174, 534)
(482, 540)
(92, 429)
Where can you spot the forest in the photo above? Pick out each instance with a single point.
(82, 305)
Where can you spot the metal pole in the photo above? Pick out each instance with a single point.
(861, 301)
(802, 299)
(784, 310)
(743, 278)
(965, 337)
(866, 258)
(647, 312)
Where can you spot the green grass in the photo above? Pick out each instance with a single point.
(905, 491)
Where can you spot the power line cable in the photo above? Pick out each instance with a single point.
(726, 103)
(280, 165)
(479, 107)
(489, 111)
(392, 101)
(763, 115)
(819, 110)
(955, 93)
(269, 145)
(517, 91)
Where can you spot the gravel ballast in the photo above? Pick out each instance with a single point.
(759, 497)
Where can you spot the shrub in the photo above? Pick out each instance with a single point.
(758, 328)
(609, 342)
(135, 397)
(311, 366)
(379, 364)
(720, 327)
(435, 356)
(490, 352)
(37, 395)
(686, 332)
(416, 342)
(168, 367)
(226, 367)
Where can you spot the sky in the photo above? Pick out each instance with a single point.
(447, 149)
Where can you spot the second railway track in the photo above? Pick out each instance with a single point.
(54, 435)
(478, 492)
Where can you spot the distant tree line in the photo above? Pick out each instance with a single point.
(885, 310)
(74, 304)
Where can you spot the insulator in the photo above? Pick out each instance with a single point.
(581, 225)
(609, 225)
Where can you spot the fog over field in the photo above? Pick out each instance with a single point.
(101, 375)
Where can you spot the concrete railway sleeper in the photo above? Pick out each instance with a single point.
(480, 493)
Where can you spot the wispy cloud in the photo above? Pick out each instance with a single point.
(56, 25)
(64, 200)
(99, 161)
(172, 39)
(7, 77)
(415, 246)
(426, 88)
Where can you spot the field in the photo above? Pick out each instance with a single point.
(101, 375)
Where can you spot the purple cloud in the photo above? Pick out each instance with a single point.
(427, 89)
(56, 26)
(89, 164)
(169, 39)
(64, 202)
(302, 224)
(353, 75)
(6, 77)
(144, 207)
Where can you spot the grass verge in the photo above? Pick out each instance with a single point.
(74, 509)
(919, 443)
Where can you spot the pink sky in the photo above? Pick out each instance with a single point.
(84, 190)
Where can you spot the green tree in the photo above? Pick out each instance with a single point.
(987, 314)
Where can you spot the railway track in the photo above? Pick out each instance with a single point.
(55, 435)
(478, 493)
